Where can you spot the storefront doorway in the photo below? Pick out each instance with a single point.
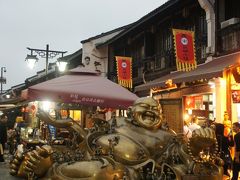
(199, 105)
(172, 110)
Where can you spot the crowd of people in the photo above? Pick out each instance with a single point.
(9, 137)
(227, 135)
(228, 138)
(236, 161)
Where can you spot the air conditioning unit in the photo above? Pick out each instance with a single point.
(229, 22)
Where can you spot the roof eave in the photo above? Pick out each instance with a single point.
(140, 21)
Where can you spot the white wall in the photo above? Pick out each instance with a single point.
(97, 55)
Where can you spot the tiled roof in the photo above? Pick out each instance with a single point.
(142, 20)
(71, 56)
(106, 33)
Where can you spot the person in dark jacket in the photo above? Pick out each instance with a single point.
(236, 162)
(224, 143)
(3, 135)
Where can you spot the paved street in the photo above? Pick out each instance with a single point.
(4, 170)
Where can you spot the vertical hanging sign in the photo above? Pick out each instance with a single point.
(184, 50)
(124, 71)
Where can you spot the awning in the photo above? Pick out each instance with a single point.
(207, 70)
(82, 87)
(5, 106)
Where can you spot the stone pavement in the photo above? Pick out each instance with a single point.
(4, 169)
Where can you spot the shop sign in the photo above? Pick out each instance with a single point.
(78, 99)
(189, 102)
(194, 102)
(3, 80)
(124, 71)
(184, 49)
(198, 102)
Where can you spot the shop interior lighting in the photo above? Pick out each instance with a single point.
(8, 96)
(46, 105)
(222, 82)
(190, 111)
(211, 84)
(186, 116)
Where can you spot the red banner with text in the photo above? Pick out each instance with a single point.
(184, 50)
(124, 71)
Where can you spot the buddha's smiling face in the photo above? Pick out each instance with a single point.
(147, 112)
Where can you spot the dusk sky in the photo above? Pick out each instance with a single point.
(62, 24)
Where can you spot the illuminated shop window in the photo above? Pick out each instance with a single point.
(74, 114)
(200, 105)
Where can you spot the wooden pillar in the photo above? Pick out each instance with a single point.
(227, 75)
(220, 99)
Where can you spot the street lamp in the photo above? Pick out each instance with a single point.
(3, 79)
(44, 53)
(61, 65)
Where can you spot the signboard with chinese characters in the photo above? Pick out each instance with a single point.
(124, 71)
(184, 50)
(76, 98)
(3, 80)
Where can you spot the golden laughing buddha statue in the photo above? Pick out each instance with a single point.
(135, 147)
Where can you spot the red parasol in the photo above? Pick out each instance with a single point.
(82, 87)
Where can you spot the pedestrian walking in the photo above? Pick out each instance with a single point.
(11, 140)
(224, 143)
(227, 124)
(186, 131)
(194, 125)
(3, 135)
(236, 161)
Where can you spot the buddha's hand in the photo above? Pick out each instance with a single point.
(35, 162)
(202, 147)
(16, 162)
(44, 116)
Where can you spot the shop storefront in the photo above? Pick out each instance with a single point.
(34, 131)
(185, 102)
(232, 79)
(199, 105)
(207, 92)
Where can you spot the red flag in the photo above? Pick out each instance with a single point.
(124, 71)
(185, 50)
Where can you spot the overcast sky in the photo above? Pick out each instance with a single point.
(60, 23)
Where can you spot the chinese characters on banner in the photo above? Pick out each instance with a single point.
(124, 71)
(184, 50)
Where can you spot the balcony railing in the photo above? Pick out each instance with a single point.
(160, 63)
(164, 60)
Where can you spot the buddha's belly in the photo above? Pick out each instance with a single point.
(123, 149)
